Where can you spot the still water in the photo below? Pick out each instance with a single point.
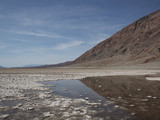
(77, 89)
(73, 89)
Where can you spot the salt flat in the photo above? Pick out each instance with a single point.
(12, 81)
(24, 84)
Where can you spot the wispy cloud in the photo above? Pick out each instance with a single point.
(37, 34)
(64, 46)
(29, 21)
(27, 18)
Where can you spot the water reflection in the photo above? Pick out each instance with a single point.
(73, 89)
(77, 89)
(141, 97)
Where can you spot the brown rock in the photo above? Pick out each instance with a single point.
(138, 43)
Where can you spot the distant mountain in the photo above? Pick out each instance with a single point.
(138, 43)
(56, 65)
(2, 67)
(33, 65)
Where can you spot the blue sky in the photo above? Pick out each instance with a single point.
(54, 31)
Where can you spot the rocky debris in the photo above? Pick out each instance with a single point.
(92, 103)
(132, 105)
(96, 106)
(44, 95)
(30, 108)
(4, 116)
(116, 106)
(138, 89)
(100, 86)
(48, 114)
(130, 95)
(143, 108)
(87, 117)
(149, 96)
(144, 100)
(154, 97)
(19, 105)
(133, 113)
(86, 98)
(65, 90)
(119, 97)
(100, 100)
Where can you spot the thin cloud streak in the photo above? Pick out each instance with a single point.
(38, 34)
(64, 46)
(26, 18)
(28, 21)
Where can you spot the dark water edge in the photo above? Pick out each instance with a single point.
(77, 89)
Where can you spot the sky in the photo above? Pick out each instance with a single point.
(55, 31)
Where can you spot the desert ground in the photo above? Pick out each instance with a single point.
(126, 93)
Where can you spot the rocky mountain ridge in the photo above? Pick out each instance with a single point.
(138, 43)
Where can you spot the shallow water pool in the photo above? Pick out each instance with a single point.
(76, 89)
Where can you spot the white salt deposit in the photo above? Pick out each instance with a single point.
(153, 78)
(48, 114)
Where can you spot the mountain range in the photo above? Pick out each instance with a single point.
(138, 43)
(56, 65)
(1, 67)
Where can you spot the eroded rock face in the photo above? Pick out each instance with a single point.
(138, 41)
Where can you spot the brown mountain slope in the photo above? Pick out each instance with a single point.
(138, 43)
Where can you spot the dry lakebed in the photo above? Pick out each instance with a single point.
(79, 94)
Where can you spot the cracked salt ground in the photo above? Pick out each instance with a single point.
(29, 99)
(80, 100)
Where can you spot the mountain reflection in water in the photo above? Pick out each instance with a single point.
(139, 96)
